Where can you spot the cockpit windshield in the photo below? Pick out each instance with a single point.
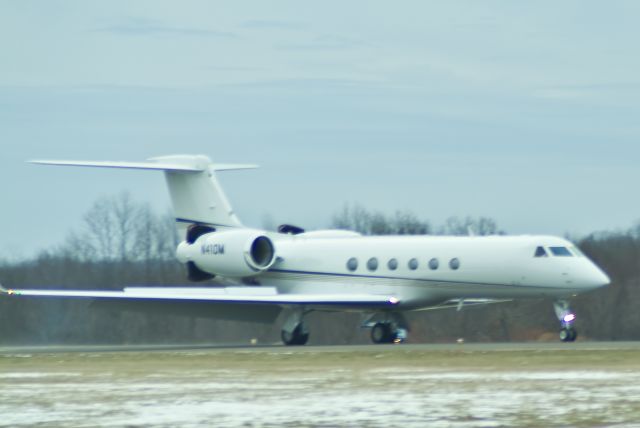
(560, 251)
(556, 252)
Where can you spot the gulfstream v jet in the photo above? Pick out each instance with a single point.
(382, 277)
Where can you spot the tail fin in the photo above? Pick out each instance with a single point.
(196, 195)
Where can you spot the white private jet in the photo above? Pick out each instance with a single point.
(336, 270)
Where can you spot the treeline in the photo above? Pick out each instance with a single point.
(123, 242)
(357, 218)
(120, 242)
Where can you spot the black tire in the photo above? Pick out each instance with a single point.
(381, 333)
(568, 334)
(299, 336)
(564, 335)
(302, 339)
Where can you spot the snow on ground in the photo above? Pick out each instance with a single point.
(174, 389)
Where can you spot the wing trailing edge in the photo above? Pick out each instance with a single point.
(459, 304)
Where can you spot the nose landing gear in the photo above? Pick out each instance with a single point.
(568, 333)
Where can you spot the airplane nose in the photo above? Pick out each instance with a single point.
(596, 278)
(603, 278)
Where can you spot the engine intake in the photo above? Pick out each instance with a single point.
(262, 253)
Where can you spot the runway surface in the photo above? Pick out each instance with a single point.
(471, 347)
(468, 385)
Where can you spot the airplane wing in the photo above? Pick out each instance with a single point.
(239, 295)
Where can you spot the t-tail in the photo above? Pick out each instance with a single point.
(199, 203)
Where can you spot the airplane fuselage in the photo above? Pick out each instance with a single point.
(421, 271)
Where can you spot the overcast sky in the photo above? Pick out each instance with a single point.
(527, 112)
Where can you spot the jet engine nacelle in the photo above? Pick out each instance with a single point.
(234, 253)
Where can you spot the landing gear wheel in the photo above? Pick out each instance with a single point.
(568, 334)
(299, 336)
(567, 319)
(381, 333)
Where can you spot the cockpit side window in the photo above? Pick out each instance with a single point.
(560, 251)
(540, 252)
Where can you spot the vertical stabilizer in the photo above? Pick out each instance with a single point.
(196, 195)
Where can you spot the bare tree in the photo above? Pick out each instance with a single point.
(470, 225)
(406, 223)
(118, 229)
(99, 230)
(125, 216)
(359, 219)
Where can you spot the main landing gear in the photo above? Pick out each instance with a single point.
(568, 333)
(387, 328)
(383, 332)
(294, 330)
(299, 335)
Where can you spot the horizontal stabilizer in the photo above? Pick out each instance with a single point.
(233, 166)
(124, 165)
(158, 166)
(254, 295)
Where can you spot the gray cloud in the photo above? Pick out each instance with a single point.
(142, 27)
(326, 42)
(234, 68)
(273, 24)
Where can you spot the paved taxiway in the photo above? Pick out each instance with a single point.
(468, 385)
